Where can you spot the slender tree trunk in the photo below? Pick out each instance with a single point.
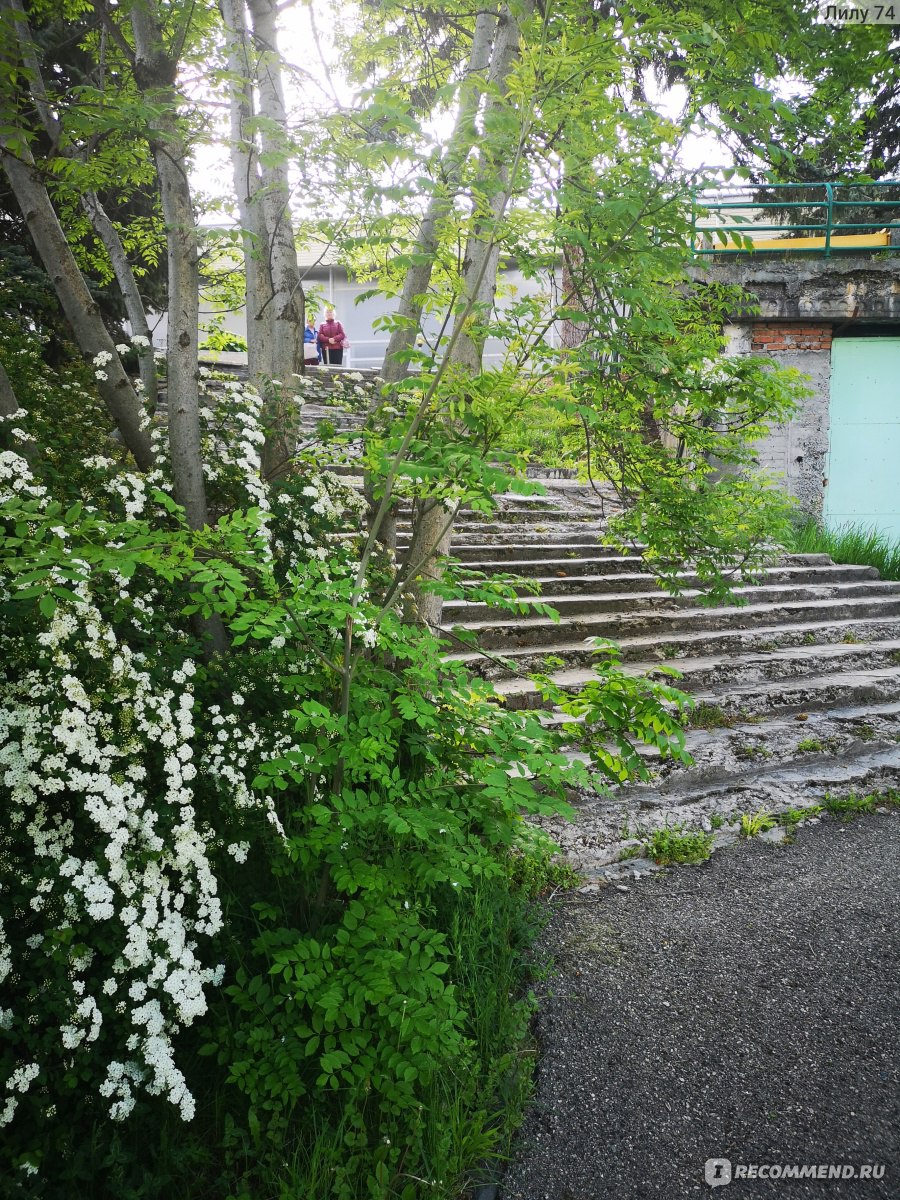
(418, 275)
(462, 137)
(432, 534)
(90, 201)
(288, 301)
(155, 74)
(81, 311)
(134, 305)
(259, 304)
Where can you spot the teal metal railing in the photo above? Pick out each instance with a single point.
(834, 217)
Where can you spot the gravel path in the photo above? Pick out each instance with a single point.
(745, 1009)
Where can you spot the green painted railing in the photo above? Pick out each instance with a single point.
(825, 219)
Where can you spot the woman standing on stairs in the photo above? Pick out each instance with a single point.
(332, 339)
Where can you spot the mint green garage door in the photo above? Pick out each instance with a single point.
(864, 457)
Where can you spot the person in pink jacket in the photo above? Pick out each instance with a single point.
(331, 339)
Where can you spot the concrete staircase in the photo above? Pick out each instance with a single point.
(797, 692)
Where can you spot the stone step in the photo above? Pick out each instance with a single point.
(596, 837)
(631, 581)
(504, 517)
(610, 561)
(576, 544)
(668, 624)
(710, 674)
(806, 693)
(720, 642)
(464, 611)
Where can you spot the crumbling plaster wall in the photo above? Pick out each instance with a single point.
(797, 449)
(793, 308)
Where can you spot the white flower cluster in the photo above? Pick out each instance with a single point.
(16, 475)
(100, 360)
(233, 437)
(110, 856)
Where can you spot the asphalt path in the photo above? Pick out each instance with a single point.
(743, 1010)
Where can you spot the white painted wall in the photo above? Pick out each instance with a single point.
(367, 342)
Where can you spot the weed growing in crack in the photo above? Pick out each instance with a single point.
(753, 824)
(748, 751)
(709, 716)
(670, 846)
(792, 817)
(865, 732)
(849, 806)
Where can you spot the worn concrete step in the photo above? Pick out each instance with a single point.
(829, 689)
(609, 561)
(541, 513)
(714, 671)
(819, 774)
(605, 825)
(501, 524)
(719, 642)
(462, 611)
(668, 625)
(529, 543)
(804, 694)
(631, 581)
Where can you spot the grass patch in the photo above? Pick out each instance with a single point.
(748, 752)
(792, 817)
(854, 544)
(709, 716)
(850, 806)
(865, 732)
(540, 870)
(670, 846)
(808, 745)
(753, 824)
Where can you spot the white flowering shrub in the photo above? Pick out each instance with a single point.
(221, 856)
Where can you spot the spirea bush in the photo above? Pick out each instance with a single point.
(157, 802)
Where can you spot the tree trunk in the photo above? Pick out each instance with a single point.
(90, 201)
(418, 275)
(288, 301)
(82, 313)
(155, 76)
(462, 137)
(432, 533)
(134, 305)
(247, 185)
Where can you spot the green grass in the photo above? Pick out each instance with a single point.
(753, 824)
(854, 544)
(792, 817)
(850, 806)
(709, 716)
(670, 846)
(748, 751)
(808, 745)
(853, 805)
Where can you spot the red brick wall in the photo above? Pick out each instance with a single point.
(770, 337)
